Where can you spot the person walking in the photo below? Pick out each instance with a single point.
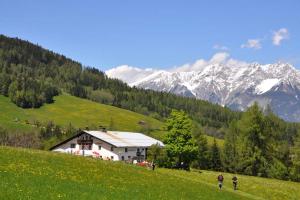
(153, 166)
(234, 182)
(220, 180)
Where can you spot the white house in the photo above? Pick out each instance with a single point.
(108, 145)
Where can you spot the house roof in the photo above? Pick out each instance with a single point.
(125, 139)
(118, 139)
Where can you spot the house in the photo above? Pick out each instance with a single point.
(108, 145)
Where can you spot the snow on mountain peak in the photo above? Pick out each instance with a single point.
(230, 82)
(266, 85)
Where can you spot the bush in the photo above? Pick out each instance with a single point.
(278, 170)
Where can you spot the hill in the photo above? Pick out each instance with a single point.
(36, 174)
(81, 113)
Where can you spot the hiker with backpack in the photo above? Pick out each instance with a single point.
(220, 180)
(234, 182)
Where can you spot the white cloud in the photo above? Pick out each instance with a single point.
(278, 36)
(220, 47)
(131, 74)
(252, 44)
(218, 58)
(128, 74)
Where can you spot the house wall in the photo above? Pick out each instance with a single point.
(105, 151)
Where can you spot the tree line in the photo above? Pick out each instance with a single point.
(44, 136)
(259, 144)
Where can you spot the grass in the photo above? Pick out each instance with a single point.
(248, 186)
(33, 174)
(79, 112)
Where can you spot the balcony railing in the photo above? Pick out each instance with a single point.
(84, 141)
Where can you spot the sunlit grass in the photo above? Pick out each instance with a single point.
(68, 109)
(248, 186)
(32, 174)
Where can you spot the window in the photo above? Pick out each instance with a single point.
(138, 150)
(112, 148)
(112, 157)
(122, 157)
(126, 149)
(73, 146)
(99, 147)
(129, 157)
(90, 147)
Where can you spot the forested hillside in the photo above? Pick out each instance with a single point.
(31, 76)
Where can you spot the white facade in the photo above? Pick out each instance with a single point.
(97, 145)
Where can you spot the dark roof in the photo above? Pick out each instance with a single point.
(74, 136)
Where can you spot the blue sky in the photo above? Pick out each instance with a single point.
(157, 34)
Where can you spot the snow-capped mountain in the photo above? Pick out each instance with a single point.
(234, 86)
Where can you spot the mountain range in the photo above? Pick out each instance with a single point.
(234, 85)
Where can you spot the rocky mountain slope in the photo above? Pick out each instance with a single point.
(234, 86)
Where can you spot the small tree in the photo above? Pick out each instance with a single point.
(215, 157)
(180, 145)
(202, 161)
(295, 173)
(230, 153)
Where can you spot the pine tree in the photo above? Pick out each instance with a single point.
(295, 173)
(254, 146)
(215, 157)
(203, 151)
(230, 156)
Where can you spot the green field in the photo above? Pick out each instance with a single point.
(79, 112)
(33, 174)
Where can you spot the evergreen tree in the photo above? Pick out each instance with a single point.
(202, 161)
(215, 157)
(254, 146)
(231, 156)
(295, 172)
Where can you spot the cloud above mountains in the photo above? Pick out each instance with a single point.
(279, 36)
(252, 44)
(128, 73)
(132, 74)
(220, 47)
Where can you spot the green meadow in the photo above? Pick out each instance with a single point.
(34, 174)
(79, 112)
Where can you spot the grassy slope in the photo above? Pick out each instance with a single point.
(31, 174)
(80, 112)
(248, 186)
(69, 109)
